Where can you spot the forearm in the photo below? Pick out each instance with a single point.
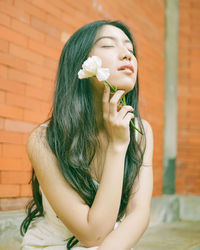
(103, 213)
(129, 231)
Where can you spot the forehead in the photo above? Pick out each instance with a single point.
(110, 30)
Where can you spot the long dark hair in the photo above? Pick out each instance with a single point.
(72, 130)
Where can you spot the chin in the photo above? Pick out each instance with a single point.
(126, 85)
(128, 88)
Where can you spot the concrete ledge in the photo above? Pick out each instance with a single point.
(189, 208)
(170, 208)
(164, 209)
(10, 238)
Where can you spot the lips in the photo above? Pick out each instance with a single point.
(124, 67)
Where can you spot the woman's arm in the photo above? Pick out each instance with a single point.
(137, 217)
(89, 225)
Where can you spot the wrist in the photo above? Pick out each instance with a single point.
(117, 148)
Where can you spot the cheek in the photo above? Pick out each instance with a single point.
(108, 57)
(108, 62)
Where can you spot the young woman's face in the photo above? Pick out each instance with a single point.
(115, 50)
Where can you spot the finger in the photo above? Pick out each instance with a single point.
(114, 102)
(124, 110)
(129, 116)
(105, 100)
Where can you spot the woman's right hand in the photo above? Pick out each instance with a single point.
(116, 122)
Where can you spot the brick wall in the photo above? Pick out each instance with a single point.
(188, 159)
(32, 34)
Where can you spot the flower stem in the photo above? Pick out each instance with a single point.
(123, 102)
(113, 89)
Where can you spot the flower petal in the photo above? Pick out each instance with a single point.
(102, 74)
(97, 61)
(90, 65)
(81, 74)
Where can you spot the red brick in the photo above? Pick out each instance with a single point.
(25, 190)
(33, 116)
(30, 9)
(41, 71)
(44, 49)
(18, 126)
(7, 191)
(16, 75)
(44, 27)
(3, 71)
(12, 61)
(27, 30)
(45, 6)
(11, 112)
(8, 164)
(67, 17)
(27, 166)
(1, 123)
(51, 64)
(13, 177)
(195, 53)
(12, 86)
(27, 102)
(188, 121)
(10, 2)
(55, 43)
(26, 54)
(4, 19)
(36, 105)
(2, 97)
(4, 45)
(13, 151)
(12, 11)
(58, 24)
(60, 5)
(8, 35)
(11, 137)
(39, 93)
(15, 100)
(25, 138)
(64, 37)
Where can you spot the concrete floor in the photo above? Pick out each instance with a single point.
(171, 236)
(174, 225)
(168, 236)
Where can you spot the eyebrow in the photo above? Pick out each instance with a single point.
(112, 38)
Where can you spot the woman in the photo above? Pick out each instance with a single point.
(92, 172)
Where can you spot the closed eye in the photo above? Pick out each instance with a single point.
(130, 50)
(107, 46)
(111, 46)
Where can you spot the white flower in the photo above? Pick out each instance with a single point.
(92, 67)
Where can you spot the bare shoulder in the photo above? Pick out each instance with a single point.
(148, 133)
(149, 144)
(37, 144)
(147, 126)
(37, 135)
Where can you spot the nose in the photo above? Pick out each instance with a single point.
(125, 54)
